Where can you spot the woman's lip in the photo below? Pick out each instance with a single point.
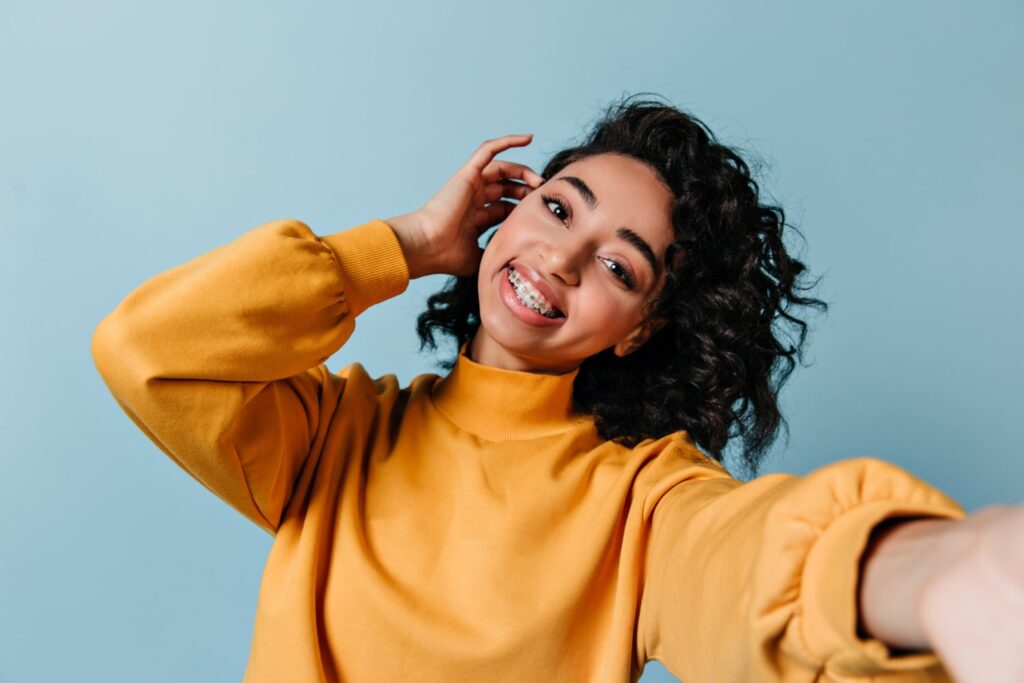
(530, 275)
(525, 314)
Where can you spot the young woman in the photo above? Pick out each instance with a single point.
(553, 508)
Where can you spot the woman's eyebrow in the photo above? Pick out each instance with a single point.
(582, 188)
(641, 245)
(624, 233)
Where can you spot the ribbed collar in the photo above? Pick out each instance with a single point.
(500, 405)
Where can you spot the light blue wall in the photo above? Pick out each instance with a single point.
(136, 136)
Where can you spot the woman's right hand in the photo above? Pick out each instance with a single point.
(442, 236)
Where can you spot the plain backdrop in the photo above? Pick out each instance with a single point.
(137, 136)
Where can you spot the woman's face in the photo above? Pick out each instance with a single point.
(569, 271)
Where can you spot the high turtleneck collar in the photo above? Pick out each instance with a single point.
(500, 405)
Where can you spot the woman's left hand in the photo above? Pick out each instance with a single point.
(973, 610)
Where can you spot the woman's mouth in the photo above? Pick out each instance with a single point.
(528, 304)
(530, 297)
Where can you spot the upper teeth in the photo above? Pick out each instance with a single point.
(529, 296)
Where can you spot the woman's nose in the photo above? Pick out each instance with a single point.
(563, 261)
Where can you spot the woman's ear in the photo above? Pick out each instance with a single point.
(635, 339)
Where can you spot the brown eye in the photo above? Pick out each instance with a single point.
(619, 271)
(561, 207)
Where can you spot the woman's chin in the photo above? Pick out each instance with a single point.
(513, 341)
(510, 340)
(516, 341)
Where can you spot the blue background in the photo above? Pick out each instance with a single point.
(136, 136)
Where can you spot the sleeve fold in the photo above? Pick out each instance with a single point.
(758, 581)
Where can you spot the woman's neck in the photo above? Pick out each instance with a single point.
(483, 349)
(501, 404)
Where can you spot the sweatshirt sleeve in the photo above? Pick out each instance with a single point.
(219, 360)
(759, 581)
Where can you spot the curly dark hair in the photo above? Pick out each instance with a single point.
(716, 367)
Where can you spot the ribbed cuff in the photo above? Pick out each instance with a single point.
(372, 264)
(830, 590)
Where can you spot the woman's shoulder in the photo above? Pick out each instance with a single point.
(671, 460)
(676, 449)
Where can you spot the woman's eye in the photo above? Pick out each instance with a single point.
(561, 207)
(619, 271)
(562, 214)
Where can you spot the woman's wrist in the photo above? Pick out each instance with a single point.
(900, 563)
(409, 230)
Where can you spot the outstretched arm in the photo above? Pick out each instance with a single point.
(758, 580)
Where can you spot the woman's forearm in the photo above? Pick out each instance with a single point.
(903, 555)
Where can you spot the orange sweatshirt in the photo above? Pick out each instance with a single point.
(471, 527)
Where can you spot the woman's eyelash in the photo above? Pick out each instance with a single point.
(622, 273)
(549, 200)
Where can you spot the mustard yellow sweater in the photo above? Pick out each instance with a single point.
(471, 527)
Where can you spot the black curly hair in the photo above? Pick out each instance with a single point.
(716, 367)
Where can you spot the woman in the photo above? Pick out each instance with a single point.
(553, 508)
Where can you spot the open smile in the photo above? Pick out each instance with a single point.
(525, 301)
